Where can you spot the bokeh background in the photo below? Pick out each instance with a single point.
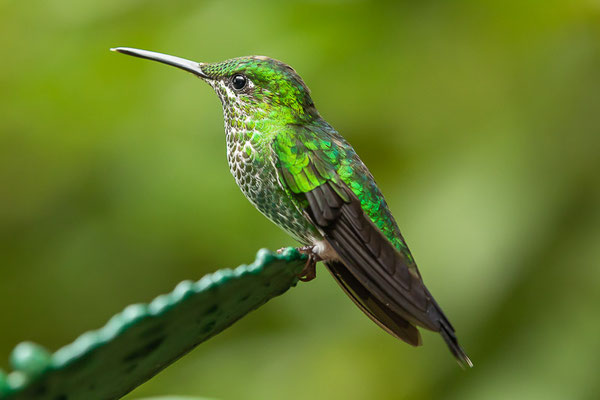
(479, 119)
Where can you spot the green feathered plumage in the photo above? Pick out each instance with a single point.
(306, 178)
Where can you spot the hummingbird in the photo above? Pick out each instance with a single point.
(298, 171)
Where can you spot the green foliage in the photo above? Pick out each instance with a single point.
(145, 338)
(478, 119)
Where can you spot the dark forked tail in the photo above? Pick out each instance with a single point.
(382, 280)
(447, 332)
(461, 357)
(391, 322)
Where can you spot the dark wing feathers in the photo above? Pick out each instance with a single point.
(358, 242)
(377, 276)
(373, 308)
(374, 274)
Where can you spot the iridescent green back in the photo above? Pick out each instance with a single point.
(316, 153)
(279, 147)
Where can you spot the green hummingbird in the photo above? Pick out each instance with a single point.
(299, 172)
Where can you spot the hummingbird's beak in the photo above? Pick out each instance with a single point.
(186, 65)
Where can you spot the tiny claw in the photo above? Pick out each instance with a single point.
(309, 272)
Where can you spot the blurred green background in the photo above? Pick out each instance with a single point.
(479, 120)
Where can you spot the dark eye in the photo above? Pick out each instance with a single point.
(239, 81)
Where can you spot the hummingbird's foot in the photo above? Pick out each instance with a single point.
(309, 272)
(281, 250)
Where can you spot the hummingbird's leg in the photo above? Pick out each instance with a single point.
(306, 249)
(309, 272)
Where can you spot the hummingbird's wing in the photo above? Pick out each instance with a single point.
(372, 307)
(376, 270)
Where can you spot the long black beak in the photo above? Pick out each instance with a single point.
(186, 65)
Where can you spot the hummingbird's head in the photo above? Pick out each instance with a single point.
(260, 85)
(254, 87)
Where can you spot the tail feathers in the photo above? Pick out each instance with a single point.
(447, 333)
(393, 323)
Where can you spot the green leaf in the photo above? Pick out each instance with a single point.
(145, 338)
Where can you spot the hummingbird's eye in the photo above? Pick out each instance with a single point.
(239, 81)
